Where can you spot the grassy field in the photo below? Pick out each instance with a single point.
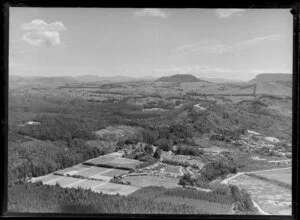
(284, 176)
(46, 178)
(74, 169)
(88, 184)
(114, 172)
(143, 181)
(114, 162)
(113, 189)
(172, 169)
(92, 171)
(271, 198)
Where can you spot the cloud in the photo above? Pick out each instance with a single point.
(152, 12)
(226, 13)
(213, 47)
(41, 25)
(48, 38)
(41, 33)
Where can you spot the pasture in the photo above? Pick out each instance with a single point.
(93, 171)
(113, 189)
(88, 184)
(271, 198)
(284, 176)
(144, 181)
(114, 162)
(73, 170)
(172, 169)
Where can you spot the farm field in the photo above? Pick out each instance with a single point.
(284, 176)
(271, 198)
(144, 181)
(114, 162)
(46, 178)
(114, 172)
(88, 184)
(92, 171)
(113, 189)
(73, 170)
(172, 169)
(63, 181)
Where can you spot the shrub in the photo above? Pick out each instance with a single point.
(157, 153)
(165, 144)
(187, 150)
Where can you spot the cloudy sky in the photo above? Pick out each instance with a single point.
(212, 43)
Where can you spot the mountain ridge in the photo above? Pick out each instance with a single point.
(272, 77)
(179, 78)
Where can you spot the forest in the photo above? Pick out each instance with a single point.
(31, 198)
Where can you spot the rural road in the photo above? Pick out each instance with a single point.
(198, 106)
(259, 209)
(180, 170)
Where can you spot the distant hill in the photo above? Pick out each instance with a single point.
(179, 78)
(95, 78)
(72, 79)
(271, 77)
(39, 81)
(220, 80)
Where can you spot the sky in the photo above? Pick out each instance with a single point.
(212, 43)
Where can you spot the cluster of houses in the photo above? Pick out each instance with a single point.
(267, 146)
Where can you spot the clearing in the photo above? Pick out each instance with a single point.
(144, 181)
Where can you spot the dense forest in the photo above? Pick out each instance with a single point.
(31, 198)
(35, 158)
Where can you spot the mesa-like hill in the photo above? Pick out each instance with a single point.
(179, 78)
(271, 77)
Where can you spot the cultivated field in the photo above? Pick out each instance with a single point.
(114, 161)
(63, 181)
(88, 184)
(113, 189)
(144, 181)
(93, 171)
(173, 169)
(74, 169)
(271, 198)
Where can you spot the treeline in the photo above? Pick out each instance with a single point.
(36, 158)
(166, 136)
(218, 168)
(199, 181)
(37, 198)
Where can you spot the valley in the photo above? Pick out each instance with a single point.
(206, 144)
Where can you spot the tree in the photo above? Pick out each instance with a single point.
(157, 153)
(148, 149)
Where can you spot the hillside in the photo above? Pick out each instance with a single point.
(271, 77)
(179, 78)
